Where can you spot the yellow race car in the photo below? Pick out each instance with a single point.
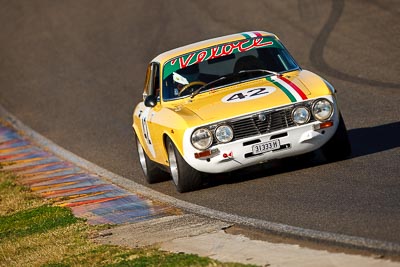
(227, 103)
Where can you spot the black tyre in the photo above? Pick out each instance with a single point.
(183, 175)
(338, 147)
(151, 171)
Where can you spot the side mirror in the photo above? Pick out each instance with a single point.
(150, 101)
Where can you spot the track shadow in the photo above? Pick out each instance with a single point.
(364, 141)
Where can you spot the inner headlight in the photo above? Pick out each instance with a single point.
(202, 138)
(301, 115)
(224, 133)
(322, 109)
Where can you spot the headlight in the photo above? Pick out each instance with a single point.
(322, 109)
(224, 133)
(301, 115)
(202, 138)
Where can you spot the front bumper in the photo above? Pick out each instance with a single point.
(294, 141)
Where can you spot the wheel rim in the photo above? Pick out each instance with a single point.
(173, 165)
(142, 157)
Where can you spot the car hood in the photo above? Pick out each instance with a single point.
(255, 95)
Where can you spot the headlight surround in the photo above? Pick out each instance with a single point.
(224, 133)
(301, 115)
(322, 109)
(202, 138)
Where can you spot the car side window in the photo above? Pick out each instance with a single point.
(152, 81)
(146, 90)
(155, 85)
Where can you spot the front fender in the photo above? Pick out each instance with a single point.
(153, 125)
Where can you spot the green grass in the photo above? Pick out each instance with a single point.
(35, 233)
(116, 256)
(36, 220)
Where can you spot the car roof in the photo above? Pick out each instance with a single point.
(162, 58)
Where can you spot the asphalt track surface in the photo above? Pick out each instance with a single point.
(74, 70)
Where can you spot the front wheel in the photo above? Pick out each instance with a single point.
(183, 175)
(151, 171)
(338, 147)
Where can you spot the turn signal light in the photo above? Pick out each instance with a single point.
(202, 154)
(323, 125)
(326, 124)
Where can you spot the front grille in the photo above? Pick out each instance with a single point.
(244, 127)
(275, 120)
(262, 123)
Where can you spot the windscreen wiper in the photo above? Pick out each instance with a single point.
(197, 91)
(260, 70)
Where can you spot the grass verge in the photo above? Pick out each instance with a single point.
(35, 233)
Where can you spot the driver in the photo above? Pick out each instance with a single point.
(184, 76)
(179, 83)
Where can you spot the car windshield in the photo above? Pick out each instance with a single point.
(225, 64)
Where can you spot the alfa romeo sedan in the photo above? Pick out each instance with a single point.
(231, 102)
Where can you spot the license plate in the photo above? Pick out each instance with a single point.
(265, 147)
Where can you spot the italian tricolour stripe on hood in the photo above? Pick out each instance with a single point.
(293, 92)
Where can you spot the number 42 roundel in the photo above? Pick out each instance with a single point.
(248, 94)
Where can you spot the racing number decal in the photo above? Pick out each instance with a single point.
(248, 94)
(145, 129)
(258, 91)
